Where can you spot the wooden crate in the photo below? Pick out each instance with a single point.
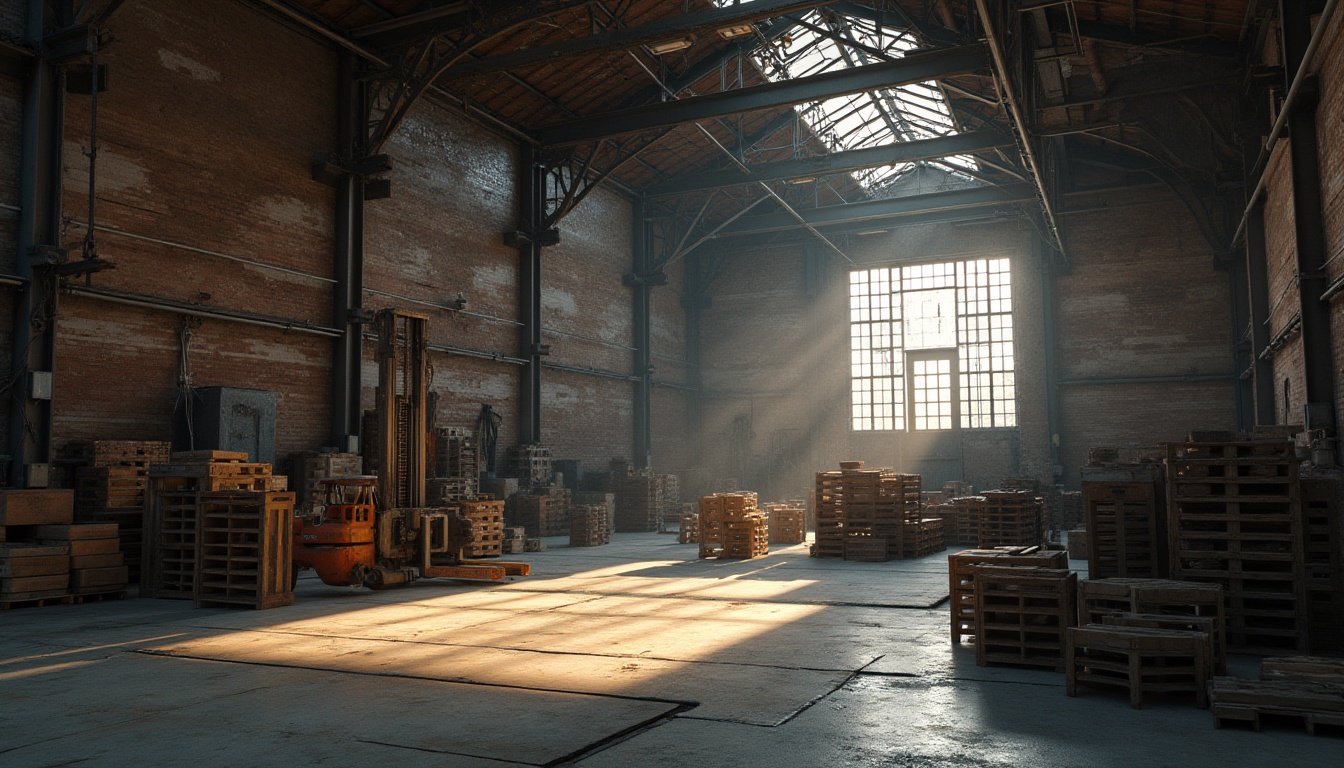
(1140, 659)
(1232, 699)
(1235, 520)
(961, 574)
(1209, 625)
(787, 524)
(1100, 598)
(587, 526)
(923, 537)
(744, 535)
(244, 549)
(1010, 519)
(50, 506)
(1125, 513)
(1022, 615)
(714, 510)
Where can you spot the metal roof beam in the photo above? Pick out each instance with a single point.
(699, 22)
(840, 162)
(889, 208)
(913, 68)
(1199, 46)
(414, 26)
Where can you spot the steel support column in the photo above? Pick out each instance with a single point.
(1308, 224)
(641, 290)
(348, 293)
(1257, 289)
(37, 235)
(1045, 259)
(532, 213)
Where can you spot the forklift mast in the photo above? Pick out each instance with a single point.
(402, 397)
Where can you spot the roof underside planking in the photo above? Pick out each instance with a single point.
(734, 114)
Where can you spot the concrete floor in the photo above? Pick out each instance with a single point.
(632, 654)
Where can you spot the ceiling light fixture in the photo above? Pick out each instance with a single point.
(737, 30)
(672, 46)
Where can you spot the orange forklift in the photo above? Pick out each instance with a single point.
(352, 540)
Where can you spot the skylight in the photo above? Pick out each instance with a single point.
(826, 42)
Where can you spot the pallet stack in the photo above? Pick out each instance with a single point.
(110, 478)
(169, 556)
(864, 514)
(1022, 615)
(829, 505)
(1323, 531)
(487, 527)
(1305, 688)
(310, 468)
(531, 464)
(637, 506)
(1236, 520)
(1140, 659)
(787, 524)
(97, 563)
(961, 574)
(606, 500)
(1125, 512)
(515, 541)
(30, 573)
(1010, 519)
(1190, 603)
(456, 454)
(244, 549)
(561, 499)
(923, 537)
(540, 515)
(447, 491)
(588, 526)
(714, 511)
(667, 498)
(689, 532)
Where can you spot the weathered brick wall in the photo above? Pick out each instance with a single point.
(205, 138)
(1330, 135)
(1142, 309)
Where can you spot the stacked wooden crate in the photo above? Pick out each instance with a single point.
(744, 533)
(540, 515)
(310, 468)
(515, 541)
(487, 527)
(637, 508)
(110, 478)
(715, 510)
(961, 522)
(606, 500)
(446, 491)
(923, 537)
(531, 464)
(1099, 600)
(1323, 533)
(561, 499)
(244, 549)
(97, 563)
(1140, 659)
(689, 532)
(1022, 615)
(33, 573)
(169, 556)
(1010, 519)
(587, 526)
(787, 524)
(1125, 510)
(961, 574)
(456, 454)
(1236, 520)
(829, 505)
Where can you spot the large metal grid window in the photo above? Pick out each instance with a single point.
(931, 346)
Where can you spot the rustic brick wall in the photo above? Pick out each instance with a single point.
(205, 138)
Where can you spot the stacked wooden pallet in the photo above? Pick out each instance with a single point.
(1010, 519)
(745, 534)
(689, 532)
(32, 573)
(487, 527)
(871, 506)
(169, 557)
(1101, 599)
(562, 499)
(97, 564)
(1323, 533)
(1235, 520)
(456, 453)
(961, 519)
(1140, 659)
(587, 526)
(110, 478)
(310, 468)
(827, 500)
(446, 491)
(1305, 688)
(1022, 615)
(606, 500)
(531, 464)
(1064, 508)
(667, 498)
(515, 541)
(923, 537)
(244, 549)
(637, 506)
(714, 510)
(787, 523)
(961, 574)
(1125, 510)
(539, 515)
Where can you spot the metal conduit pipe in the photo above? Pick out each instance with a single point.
(1289, 101)
(169, 305)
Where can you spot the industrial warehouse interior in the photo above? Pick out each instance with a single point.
(610, 383)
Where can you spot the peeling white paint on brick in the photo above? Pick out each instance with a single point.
(176, 62)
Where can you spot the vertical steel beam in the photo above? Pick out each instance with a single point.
(1044, 255)
(348, 293)
(1242, 354)
(38, 229)
(1257, 289)
(641, 291)
(532, 214)
(693, 303)
(1308, 222)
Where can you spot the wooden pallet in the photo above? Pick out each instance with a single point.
(1249, 701)
(1304, 669)
(923, 537)
(1140, 659)
(244, 549)
(787, 524)
(961, 575)
(862, 548)
(1101, 598)
(1022, 615)
(1125, 514)
(1010, 519)
(689, 531)
(587, 526)
(31, 600)
(487, 526)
